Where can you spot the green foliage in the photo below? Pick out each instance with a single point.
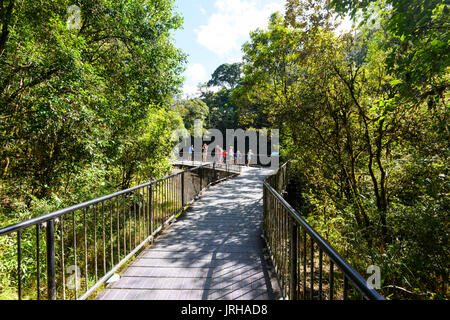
(368, 126)
(222, 113)
(71, 97)
(191, 110)
(226, 75)
(416, 37)
(83, 111)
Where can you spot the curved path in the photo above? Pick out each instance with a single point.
(214, 251)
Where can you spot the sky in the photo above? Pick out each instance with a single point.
(214, 32)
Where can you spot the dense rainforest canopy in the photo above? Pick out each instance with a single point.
(85, 88)
(363, 115)
(90, 100)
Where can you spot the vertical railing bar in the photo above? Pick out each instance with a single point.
(138, 219)
(144, 214)
(75, 253)
(130, 220)
(63, 265)
(19, 264)
(111, 242)
(104, 238)
(134, 215)
(151, 209)
(140, 215)
(169, 183)
(174, 199)
(312, 269)
(299, 259)
(201, 178)
(165, 201)
(118, 228)
(142, 196)
(147, 211)
(158, 199)
(331, 279)
(86, 275)
(286, 248)
(172, 211)
(95, 242)
(38, 266)
(158, 207)
(276, 249)
(282, 246)
(293, 261)
(124, 227)
(51, 283)
(149, 199)
(182, 190)
(166, 190)
(320, 273)
(280, 241)
(304, 264)
(283, 252)
(168, 199)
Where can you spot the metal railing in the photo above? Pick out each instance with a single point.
(307, 266)
(197, 158)
(87, 243)
(219, 166)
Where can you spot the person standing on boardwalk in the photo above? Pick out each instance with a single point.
(219, 153)
(231, 154)
(191, 152)
(204, 152)
(249, 157)
(236, 157)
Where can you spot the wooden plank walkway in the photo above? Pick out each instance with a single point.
(214, 251)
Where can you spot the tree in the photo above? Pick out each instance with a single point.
(368, 150)
(72, 96)
(226, 76)
(191, 110)
(222, 109)
(417, 35)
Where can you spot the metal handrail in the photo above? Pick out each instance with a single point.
(242, 160)
(294, 221)
(59, 213)
(141, 211)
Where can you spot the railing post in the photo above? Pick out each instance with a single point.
(293, 261)
(150, 205)
(264, 203)
(201, 178)
(51, 282)
(182, 190)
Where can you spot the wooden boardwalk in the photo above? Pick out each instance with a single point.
(214, 251)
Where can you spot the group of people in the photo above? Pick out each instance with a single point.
(229, 157)
(224, 156)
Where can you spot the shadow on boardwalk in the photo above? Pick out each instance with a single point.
(214, 251)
